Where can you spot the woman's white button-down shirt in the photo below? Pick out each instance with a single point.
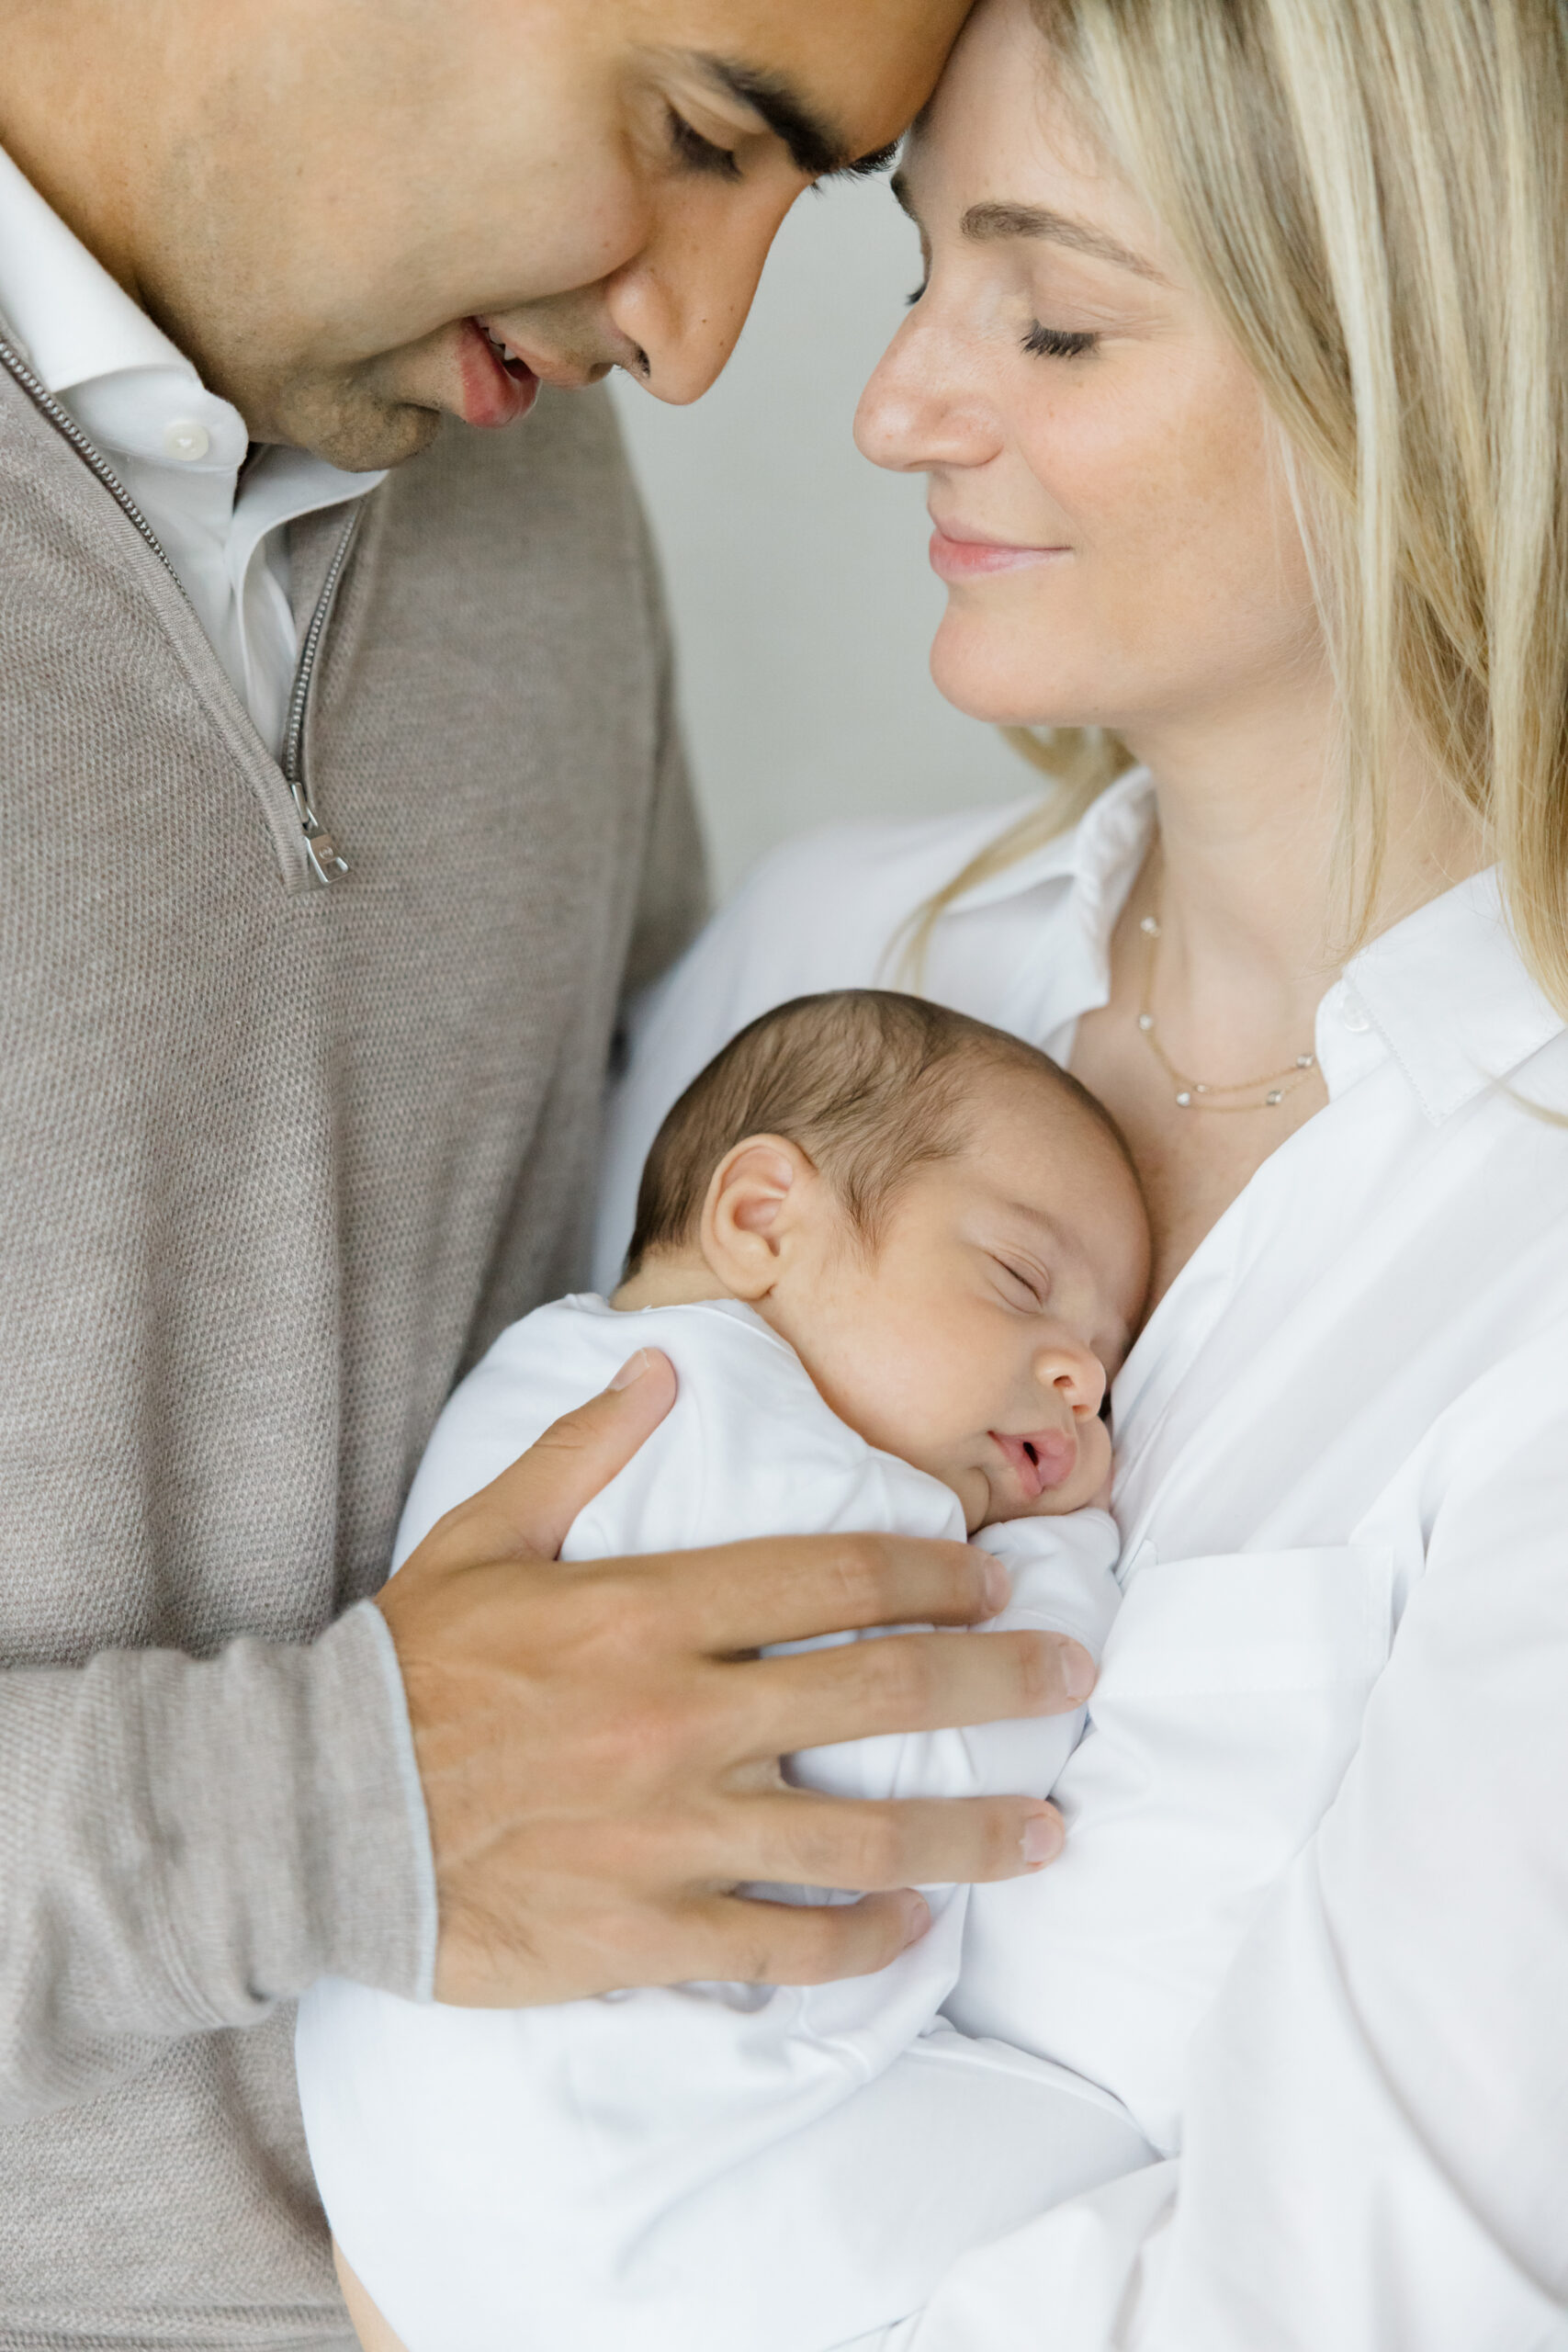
(1341, 1675)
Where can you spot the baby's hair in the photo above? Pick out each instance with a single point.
(870, 1084)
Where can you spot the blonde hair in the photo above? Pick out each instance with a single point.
(1374, 197)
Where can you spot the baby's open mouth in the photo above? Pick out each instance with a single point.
(1040, 1461)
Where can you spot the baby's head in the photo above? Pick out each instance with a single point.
(942, 1224)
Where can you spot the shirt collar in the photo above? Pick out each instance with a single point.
(1095, 854)
(1449, 994)
(61, 304)
(1445, 992)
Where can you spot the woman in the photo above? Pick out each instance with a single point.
(1239, 377)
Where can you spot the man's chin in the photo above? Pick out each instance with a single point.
(353, 427)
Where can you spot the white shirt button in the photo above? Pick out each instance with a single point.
(1354, 1015)
(186, 440)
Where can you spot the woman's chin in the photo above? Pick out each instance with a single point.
(983, 674)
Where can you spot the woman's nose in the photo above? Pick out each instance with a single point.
(917, 412)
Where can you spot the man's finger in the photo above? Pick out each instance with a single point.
(533, 1503)
(905, 1683)
(799, 1839)
(747, 1596)
(751, 1942)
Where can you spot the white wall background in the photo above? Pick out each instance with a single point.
(803, 602)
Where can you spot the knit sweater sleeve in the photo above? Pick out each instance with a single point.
(186, 1842)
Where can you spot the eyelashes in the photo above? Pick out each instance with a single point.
(1030, 1285)
(1040, 342)
(1056, 343)
(700, 155)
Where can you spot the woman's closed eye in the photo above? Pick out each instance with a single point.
(1057, 343)
(696, 153)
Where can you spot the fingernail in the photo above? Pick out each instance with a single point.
(1042, 1839)
(999, 1586)
(1079, 1673)
(919, 1920)
(631, 1370)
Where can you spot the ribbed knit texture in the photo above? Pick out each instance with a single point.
(275, 1164)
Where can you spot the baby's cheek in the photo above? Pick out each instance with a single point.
(1091, 1472)
(1095, 1455)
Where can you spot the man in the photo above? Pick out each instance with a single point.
(340, 811)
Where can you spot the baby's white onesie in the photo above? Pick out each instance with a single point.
(715, 2167)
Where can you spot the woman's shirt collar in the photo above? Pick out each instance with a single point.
(1444, 991)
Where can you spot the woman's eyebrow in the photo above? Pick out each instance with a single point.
(985, 222)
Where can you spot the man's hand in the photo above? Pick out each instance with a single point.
(600, 1745)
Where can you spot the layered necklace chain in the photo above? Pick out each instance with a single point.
(1204, 1095)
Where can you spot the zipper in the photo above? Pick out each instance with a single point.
(322, 855)
(325, 859)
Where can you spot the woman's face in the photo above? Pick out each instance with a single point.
(1114, 526)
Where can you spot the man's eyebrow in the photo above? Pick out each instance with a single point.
(984, 222)
(815, 145)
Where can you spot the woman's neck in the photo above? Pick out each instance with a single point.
(1255, 905)
(1235, 927)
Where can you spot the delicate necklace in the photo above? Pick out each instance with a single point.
(1197, 1093)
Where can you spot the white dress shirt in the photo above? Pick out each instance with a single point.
(721, 2167)
(177, 447)
(1340, 1674)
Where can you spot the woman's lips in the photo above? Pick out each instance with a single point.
(959, 558)
(1041, 1459)
(496, 390)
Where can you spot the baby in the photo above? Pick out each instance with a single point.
(894, 1256)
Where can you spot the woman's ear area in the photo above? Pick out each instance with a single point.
(757, 1198)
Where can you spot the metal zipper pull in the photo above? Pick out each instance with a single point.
(321, 850)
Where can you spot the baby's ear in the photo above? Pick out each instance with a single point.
(756, 1199)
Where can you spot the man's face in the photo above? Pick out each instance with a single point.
(352, 198)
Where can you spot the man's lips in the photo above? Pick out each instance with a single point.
(1040, 1460)
(958, 556)
(498, 388)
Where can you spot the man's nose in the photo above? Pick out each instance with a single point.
(685, 300)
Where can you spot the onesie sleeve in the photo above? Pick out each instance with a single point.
(1064, 1581)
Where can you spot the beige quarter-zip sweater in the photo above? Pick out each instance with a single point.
(276, 1161)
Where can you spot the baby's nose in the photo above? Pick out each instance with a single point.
(1077, 1375)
